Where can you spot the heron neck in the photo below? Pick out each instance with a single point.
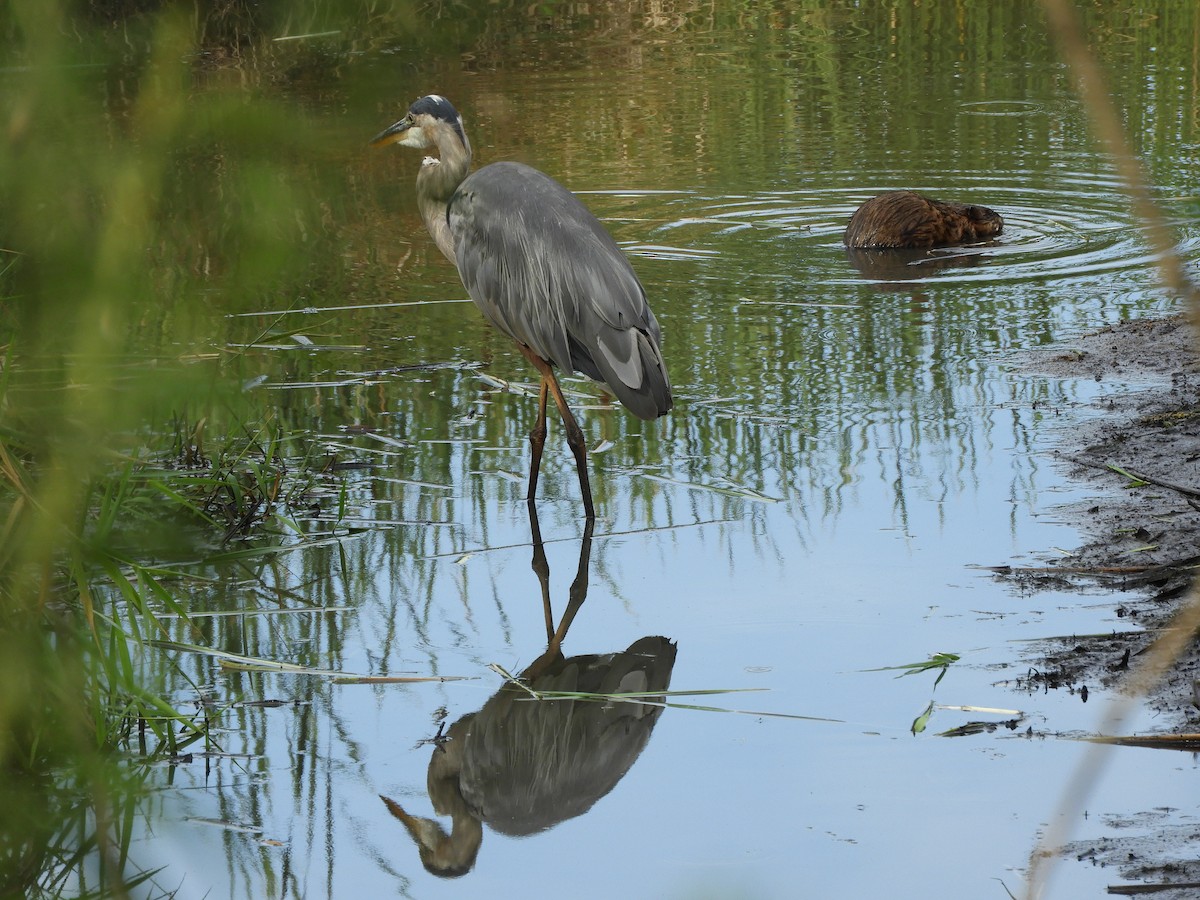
(437, 181)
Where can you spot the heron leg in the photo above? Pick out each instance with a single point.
(579, 587)
(537, 440)
(577, 445)
(578, 593)
(541, 568)
(574, 433)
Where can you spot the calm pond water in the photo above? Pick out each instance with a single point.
(847, 443)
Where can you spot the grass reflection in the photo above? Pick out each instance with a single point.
(129, 203)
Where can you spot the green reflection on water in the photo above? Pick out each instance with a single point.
(167, 179)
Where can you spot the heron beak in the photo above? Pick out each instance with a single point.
(427, 834)
(392, 133)
(398, 811)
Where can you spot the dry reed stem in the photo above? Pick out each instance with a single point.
(1064, 24)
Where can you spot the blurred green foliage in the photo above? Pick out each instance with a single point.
(129, 201)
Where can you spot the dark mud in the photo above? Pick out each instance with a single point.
(1141, 457)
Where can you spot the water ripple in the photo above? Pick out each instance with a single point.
(1079, 228)
(1001, 108)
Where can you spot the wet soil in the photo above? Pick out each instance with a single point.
(1141, 455)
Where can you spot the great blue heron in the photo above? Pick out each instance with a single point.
(542, 269)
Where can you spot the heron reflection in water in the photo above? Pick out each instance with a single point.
(522, 766)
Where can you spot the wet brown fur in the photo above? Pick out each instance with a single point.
(906, 219)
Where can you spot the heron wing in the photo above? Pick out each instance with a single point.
(545, 272)
(528, 766)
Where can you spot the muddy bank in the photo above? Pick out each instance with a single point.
(1141, 458)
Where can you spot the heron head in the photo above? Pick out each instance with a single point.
(444, 855)
(426, 118)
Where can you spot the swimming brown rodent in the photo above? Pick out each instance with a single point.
(906, 219)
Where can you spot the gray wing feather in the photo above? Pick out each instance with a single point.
(545, 272)
(528, 766)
